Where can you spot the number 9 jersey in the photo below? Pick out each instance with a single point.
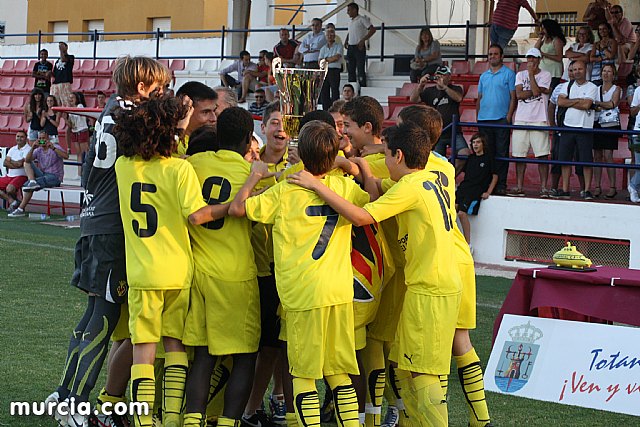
(156, 198)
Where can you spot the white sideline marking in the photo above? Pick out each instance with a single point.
(40, 245)
(492, 306)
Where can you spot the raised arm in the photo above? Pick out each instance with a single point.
(208, 213)
(259, 170)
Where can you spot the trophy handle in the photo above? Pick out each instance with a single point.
(276, 64)
(324, 66)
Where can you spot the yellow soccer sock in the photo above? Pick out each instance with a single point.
(143, 391)
(472, 381)
(175, 377)
(291, 420)
(105, 397)
(407, 400)
(193, 419)
(432, 407)
(444, 383)
(373, 360)
(228, 422)
(217, 385)
(345, 400)
(306, 402)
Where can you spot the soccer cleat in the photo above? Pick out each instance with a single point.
(391, 418)
(278, 410)
(52, 401)
(77, 420)
(17, 213)
(101, 420)
(32, 185)
(259, 419)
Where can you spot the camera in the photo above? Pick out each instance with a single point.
(42, 141)
(432, 77)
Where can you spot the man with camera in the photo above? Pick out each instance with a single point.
(444, 97)
(49, 172)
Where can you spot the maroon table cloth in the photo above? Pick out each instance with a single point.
(611, 294)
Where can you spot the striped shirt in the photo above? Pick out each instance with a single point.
(506, 13)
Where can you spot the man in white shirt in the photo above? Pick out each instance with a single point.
(312, 43)
(241, 66)
(16, 176)
(579, 115)
(532, 92)
(634, 182)
(359, 31)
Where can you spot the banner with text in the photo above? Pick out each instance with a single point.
(575, 363)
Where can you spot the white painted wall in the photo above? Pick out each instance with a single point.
(14, 13)
(498, 214)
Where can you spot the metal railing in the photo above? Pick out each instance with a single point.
(98, 37)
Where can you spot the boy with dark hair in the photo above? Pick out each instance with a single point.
(363, 117)
(204, 110)
(433, 288)
(160, 195)
(311, 248)
(224, 312)
(42, 72)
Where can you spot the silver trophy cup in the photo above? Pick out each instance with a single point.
(299, 91)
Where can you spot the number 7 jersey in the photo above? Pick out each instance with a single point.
(156, 198)
(311, 242)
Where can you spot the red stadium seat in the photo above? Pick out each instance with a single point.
(6, 83)
(523, 66)
(7, 66)
(77, 82)
(471, 96)
(5, 101)
(511, 65)
(20, 84)
(18, 102)
(20, 67)
(177, 65)
(102, 84)
(468, 115)
(460, 67)
(88, 85)
(480, 67)
(102, 67)
(4, 122)
(87, 67)
(15, 123)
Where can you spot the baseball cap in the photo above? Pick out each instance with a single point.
(534, 52)
(443, 69)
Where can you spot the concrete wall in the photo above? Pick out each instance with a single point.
(498, 214)
(14, 14)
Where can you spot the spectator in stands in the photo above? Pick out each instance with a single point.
(623, 32)
(257, 107)
(240, 67)
(271, 87)
(551, 45)
(359, 31)
(348, 92)
(607, 117)
(532, 92)
(16, 176)
(426, 59)
(32, 112)
(226, 98)
(254, 78)
(579, 114)
(286, 49)
(50, 120)
(604, 51)
(101, 99)
(480, 178)
(311, 44)
(332, 52)
(63, 75)
(205, 105)
(49, 172)
(555, 146)
(634, 57)
(595, 14)
(78, 129)
(581, 49)
(42, 72)
(634, 182)
(445, 97)
(504, 22)
(496, 104)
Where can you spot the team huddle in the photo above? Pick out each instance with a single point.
(294, 264)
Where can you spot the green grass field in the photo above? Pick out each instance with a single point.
(38, 308)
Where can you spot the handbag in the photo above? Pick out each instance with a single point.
(608, 118)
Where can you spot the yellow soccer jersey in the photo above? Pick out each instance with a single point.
(181, 149)
(156, 199)
(311, 242)
(377, 165)
(425, 233)
(222, 248)
(261, 233)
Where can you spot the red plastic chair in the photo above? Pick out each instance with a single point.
(77, 83)
(4, 122)
(87, 67)
(5, 101)
(177, 65)
(18, 102)
(20, 67)
(7, 66)
(6, 83)
(102, 67)
(480, 67)
(88, 85)
(460, 67)
(472, 92)
(15, 123)
(20, 85)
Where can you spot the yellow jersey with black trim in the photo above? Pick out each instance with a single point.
(222, 248)
(425, 233)
(311, 242)
(156, 198)
(181, 149)
(261, 233)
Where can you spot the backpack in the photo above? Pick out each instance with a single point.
(562, 111)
